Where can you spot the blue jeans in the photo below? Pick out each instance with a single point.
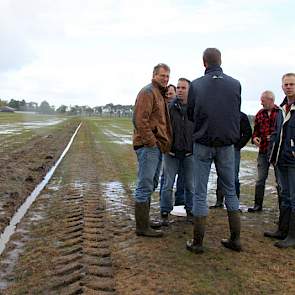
(171, 166)
(149, 163)
(286, 179)
(237, 170)
(180, 191)
(225, 168)
(180, 187)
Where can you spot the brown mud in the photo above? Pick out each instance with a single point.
(78, 238)
(22, 169)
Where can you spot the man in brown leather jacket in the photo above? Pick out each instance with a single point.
(151, 138)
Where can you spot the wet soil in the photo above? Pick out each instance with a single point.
(78, 238)
(22, 169)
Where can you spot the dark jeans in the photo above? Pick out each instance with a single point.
(286, 177)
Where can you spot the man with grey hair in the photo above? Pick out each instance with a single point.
(264, 125)
(151, 138)
(214, 102)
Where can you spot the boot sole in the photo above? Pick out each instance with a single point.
(194, 249)
(283, 246)
(158, 235)
(231, 246)
(274, 236)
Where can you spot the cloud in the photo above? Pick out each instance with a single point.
(96, 52)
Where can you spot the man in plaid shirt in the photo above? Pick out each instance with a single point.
(264, 125)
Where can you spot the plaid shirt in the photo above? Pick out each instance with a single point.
(264, 126)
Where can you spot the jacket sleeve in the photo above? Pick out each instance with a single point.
(245, 130)
(142, 112)
(191, 104)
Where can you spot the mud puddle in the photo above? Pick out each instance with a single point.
(117, 200)
(17, 128)
(118, 138)
(127, 131)
(248, 148)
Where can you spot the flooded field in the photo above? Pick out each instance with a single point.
(77, 237)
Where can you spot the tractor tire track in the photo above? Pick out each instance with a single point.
(77, 259)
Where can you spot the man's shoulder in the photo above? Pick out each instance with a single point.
(199, 79)
(231, 79)
(210, 77)
(260, 112)
(148, 87)
(243, 116)
(147, 90)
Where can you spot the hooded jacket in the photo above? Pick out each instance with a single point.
(151, 118)
(182, 129)
(282, 141)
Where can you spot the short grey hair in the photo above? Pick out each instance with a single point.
(269, 94)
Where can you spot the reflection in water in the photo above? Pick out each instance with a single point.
(118, 138)
(17, 128)
(117, 200)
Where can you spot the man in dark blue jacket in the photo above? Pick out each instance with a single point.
(181, 153)
(214, 102)
(282, 155)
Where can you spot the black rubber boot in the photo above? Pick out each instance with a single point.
(290, 239)
(154, 223)
(189, 215)
(196, 244)
(219, 200)
(142, 211)
(283, 227)
(259, 195)
(165, 218)
(233, 242)
(279, 196)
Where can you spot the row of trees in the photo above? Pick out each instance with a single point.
(45, 108)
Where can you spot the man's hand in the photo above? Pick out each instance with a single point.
(257, 141)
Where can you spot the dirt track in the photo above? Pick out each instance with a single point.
(78, 238)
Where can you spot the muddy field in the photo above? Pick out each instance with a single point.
(78, 236)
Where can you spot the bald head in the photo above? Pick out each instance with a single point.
(267, 99)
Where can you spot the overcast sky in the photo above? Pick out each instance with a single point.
(93, 52)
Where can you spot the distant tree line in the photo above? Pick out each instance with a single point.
(44, 107)
(109, 110)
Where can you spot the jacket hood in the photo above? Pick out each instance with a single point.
(285, 101)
